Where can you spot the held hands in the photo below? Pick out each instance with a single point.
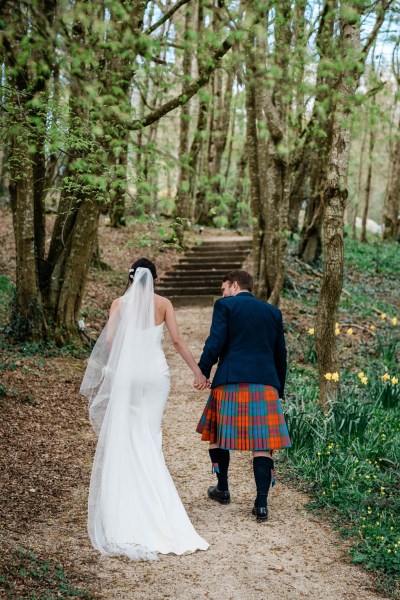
(200, 381)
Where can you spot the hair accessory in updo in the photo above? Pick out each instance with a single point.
(144, 263)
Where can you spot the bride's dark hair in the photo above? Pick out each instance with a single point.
(145, 263)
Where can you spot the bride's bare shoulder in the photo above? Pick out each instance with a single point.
(114, 305)
(161, 300)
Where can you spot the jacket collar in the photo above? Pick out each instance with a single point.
(244, 293)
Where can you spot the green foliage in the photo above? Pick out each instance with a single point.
(377, 257)
(372, 277)
(19, 327)
(36, 578)
(18, 350)
(310, 353)
(349, 459)
(7, 289)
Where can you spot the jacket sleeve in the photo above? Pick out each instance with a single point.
(216, 340)
(280, 357)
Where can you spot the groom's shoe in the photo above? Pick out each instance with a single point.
(260, 512)
(215, 494)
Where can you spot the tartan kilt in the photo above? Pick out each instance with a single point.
(244, 416)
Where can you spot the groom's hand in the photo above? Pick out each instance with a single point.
(200, 381)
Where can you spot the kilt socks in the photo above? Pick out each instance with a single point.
(220, 464)
(263, 468)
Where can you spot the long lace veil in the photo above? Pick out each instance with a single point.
(122, 348)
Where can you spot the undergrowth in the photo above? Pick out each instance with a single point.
(45, 579)
(348, 458)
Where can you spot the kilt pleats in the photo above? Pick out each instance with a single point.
(244, 416)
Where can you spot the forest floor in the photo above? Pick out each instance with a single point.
(46, 452)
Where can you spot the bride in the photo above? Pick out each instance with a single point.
(134, 508)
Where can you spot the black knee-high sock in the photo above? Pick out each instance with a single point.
(220, 464)
(262, 468)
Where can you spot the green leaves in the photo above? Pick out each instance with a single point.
(347, 458)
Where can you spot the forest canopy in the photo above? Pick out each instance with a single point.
(281, 117)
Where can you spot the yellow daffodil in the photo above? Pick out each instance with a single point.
(383, 316)
(394, 321)
(385, 377)
(337, 331)
(395, 380)
(328, 376)
(360, 374)
(372, 327)
(364, 380)
(311, 331)
(349, 331)
(335, 376)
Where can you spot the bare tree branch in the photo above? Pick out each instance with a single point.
(188, 91)
(166, 16)
(385, 4)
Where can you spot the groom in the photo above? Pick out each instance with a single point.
(244, 411)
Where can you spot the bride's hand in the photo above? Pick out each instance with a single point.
(200, 381)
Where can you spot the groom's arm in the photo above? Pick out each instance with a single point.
(281, 357)
(217, 338)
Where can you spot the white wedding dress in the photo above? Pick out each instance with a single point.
(134, 508)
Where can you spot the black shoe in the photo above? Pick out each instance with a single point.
(215, 494)
(260, 512)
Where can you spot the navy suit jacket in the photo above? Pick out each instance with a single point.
(247, 340)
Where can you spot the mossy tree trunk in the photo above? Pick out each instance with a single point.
(28, 84)
(334, 200)
(252, 150)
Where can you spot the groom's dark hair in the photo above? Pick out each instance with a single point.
(243, 279)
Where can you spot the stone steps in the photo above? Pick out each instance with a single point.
(197, 277)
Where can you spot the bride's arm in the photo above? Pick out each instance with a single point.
(200, 382)
(111, 322)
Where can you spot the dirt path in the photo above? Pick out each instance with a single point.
(292, 556)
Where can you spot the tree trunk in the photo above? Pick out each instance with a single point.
(195, 154)
(211, 180)
(392, 200)
(369, 179)
(317, 140)
(219, 131)
(239, 193)
(310, 240)
(118, 188)
(334, 199)
(276, 106)
(28, 116)
(298, 187)
(359, 183)
(252, 148)
(116, 75)
(182, 200)
(4, 175)
(27, 318)
(78, 257)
